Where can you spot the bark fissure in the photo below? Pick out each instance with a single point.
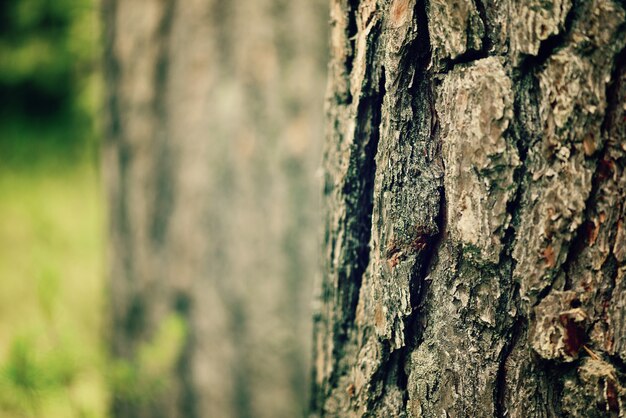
(357, 190)
(512, 337)
(553, 43)
(351, 32)
(468, 57)
(487, 44)
(581, 236)
(423, 79)
(359, 204)
(580, 240)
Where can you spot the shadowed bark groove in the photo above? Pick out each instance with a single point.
(348, 244)
(496, 253)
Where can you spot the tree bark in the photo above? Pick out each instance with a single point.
(210, 156)
(474, 201)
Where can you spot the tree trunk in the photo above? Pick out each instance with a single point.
(210, 155)
(474, 206)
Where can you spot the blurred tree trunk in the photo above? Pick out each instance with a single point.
(474, 210)
(213, 117)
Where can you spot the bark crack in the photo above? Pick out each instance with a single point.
(578, 242)
(467, 57)
(499, 395)
(351, 32)
(357, 191)
(523, 137)
(424, 80)
(471, 55)
(553, 43)
(392, 368)
(487, 44)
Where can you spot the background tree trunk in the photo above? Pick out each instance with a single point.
(211, 146)
(474, 210)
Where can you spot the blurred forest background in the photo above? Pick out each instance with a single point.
(52, 356)
(62, 353)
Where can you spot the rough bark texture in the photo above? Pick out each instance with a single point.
(474, 195)
(212, 137)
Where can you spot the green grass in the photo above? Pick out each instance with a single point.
(52, 355)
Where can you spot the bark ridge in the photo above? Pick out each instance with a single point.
(474, 210)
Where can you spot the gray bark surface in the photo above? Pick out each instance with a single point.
(474, 198)
(213, 140)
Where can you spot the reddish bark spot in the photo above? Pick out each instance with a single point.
(420, 242)
(399, 12)
(606, 168)
(589, 144)
(393, 261)
(397, 251)
(609, 342)
(574, 334)
(391, 250)
(592, 230)
(611, 396)
(393, 254)
(549, 256)
(350, 390)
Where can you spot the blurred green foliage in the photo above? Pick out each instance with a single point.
(52, 355)
(145, 378)
(49, 86)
